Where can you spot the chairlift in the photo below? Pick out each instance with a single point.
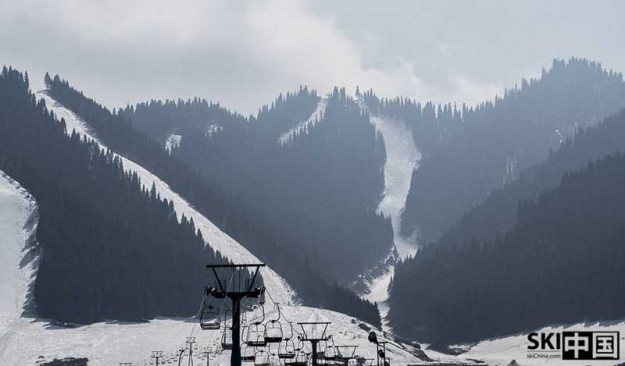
(248, 353)
(321, 351)
(330, 351)
(286, 349)
(273, 329)
(226, 338)
(301, 359)
(209, 318)
(256, 332)
(262, 358)
(256, 335)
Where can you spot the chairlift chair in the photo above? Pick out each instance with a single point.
(273, 329)
(226, 338)
(301, 359)
(262, 358)
(209, 318)
(256, 332)
(248, 353)
(256, 335)
(286, 349)
(329, 352)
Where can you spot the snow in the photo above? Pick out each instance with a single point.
(503, 350)
(316, 117)
(27, 341)
(106, 344)
(17, 209)
(172, 141)
(402, 158)
(213, 236)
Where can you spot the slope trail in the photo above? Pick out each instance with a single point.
(402, 157)
(213, 236)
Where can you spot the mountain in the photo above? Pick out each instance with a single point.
(232, 215)
(311, 167)
(561, 262)
(497, 140)
(108, 247)
(498, 212)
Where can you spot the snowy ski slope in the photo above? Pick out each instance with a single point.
(316, 116)
(26, 341)
(402, 157)
(214, 237)
(17, 225)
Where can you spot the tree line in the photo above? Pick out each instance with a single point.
(232, 213)
(109, 249)
(560, 259)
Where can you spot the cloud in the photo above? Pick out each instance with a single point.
(241, 53)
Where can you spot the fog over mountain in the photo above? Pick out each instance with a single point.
(244, 53)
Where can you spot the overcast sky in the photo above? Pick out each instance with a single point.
(243, 53)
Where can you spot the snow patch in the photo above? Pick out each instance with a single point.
(315, 118)
(172, 142)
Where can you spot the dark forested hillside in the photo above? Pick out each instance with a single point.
(318, 192)
(499, 140)
(269, 241)
(561, 262)
(498, 211)
(109, 250)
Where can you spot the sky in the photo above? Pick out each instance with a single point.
(244, 53)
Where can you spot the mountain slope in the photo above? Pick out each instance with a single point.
(318, 191)
(206, 204)
(498, 140)
(18, 222)
(213, 236)
(498, 212)
(97, 228)
(561, 262)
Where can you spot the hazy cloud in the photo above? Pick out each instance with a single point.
(242, 53)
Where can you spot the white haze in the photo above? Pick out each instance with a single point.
(243, 53)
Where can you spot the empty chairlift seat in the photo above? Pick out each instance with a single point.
(209, 318)
(248, 353)
(273, 329)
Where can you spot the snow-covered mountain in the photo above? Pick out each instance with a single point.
(214, 237)
(113, 342)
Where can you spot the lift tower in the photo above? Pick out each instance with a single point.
(314, 332)
(235, 294)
